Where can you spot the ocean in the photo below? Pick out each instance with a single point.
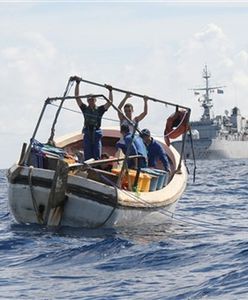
(201, 254)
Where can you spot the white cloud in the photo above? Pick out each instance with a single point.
(153, 49)
(212, 33)
(28, 75)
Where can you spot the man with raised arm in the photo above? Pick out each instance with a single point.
(92, 144)
(135, 146)
(128, 112)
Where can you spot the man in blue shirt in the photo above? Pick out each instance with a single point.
(155, 151)
(135, 145)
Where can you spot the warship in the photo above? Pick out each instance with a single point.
(215, 137)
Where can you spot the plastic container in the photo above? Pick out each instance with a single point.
(154, 178)
(159, 182)
(131, 179)
(128, 180)
(154, 183)
(146, 182)
(163, 178)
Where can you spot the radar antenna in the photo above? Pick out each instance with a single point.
(206, 101)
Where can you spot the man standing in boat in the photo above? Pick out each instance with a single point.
(128, 112)
(155, 151)
(92, 122)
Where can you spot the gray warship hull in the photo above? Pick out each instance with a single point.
(213, 149)
(219, 137)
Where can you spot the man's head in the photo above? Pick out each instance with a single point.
(124, 129)
(145, 134)
(128, 110)
(91, 101)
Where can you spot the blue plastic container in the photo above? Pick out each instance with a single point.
(163, 178)
(154, 182)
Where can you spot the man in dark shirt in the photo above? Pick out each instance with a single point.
(155, 151)
(92, 122)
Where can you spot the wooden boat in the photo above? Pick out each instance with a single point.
(49, 185)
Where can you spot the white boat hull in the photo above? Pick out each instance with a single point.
(88, 202)
(100, 205)
(80, 212)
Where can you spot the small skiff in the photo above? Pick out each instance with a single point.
(51, 185)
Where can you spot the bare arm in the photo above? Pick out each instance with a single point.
(128, 95)
(108, 104)
(78, 99)
(144, 113)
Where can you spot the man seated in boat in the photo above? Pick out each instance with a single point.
(108, 165)
(92, 144)
(135, 146)
(155, 151)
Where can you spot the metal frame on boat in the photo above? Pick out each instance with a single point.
(50, 186)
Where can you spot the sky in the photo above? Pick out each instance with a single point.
(153, 48)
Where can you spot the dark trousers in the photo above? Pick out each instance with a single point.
(92, 143)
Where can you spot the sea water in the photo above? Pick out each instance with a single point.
(202, 254)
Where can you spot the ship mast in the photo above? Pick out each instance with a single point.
(206, 101)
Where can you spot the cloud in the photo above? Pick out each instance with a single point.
(161, 54)
(212, 33)
(29, 70)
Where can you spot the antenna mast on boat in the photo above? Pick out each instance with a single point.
(206, 101)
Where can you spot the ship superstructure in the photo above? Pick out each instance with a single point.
(214, 137)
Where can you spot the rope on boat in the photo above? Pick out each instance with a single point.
(116, 197)
(36, 208)
(163, 211)
(78, 112)
(191, 221)
(167, 213)
(111, 213)
(193, 152)
(66, 92)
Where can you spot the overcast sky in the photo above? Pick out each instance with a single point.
(158, 49)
